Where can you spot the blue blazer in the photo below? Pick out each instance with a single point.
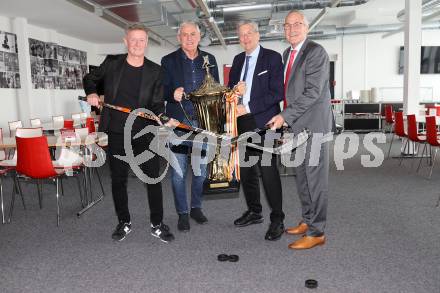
(173, 79)
(267, 84)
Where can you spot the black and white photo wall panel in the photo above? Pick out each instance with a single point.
(56, 67)
(9, 72)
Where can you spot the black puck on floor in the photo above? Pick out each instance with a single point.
(311, 284)
(222, 257)
(233, 258)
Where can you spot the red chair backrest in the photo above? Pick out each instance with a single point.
(412, 127)
(431, 131)
(389, 114)
(399, 128)
(33, 157)
(68, 124)
(434, 109)
(90, 124)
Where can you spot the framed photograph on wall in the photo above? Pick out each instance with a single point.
(8, 42)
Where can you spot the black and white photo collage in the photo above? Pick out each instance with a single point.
(9, 72)
(56, 67)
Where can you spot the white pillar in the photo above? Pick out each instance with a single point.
(19, 27)
(413, 42)
(52, 37)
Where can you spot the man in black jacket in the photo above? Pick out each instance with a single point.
(131, 81)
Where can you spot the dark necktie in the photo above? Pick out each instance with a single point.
(246, 67)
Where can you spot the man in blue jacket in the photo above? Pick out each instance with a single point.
(183, 73)
(260, 71)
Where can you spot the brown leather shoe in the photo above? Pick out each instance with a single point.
(298, 230)
(307, 242)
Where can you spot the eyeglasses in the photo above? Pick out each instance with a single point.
(289, 26)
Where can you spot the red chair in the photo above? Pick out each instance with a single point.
(432, 110)
(34, 161)
(9, 165)
(432, 140)
(68, 124)
(399, 128)
(413, 135)
(90, 124)
(389, 120)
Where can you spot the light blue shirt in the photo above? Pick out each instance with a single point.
(249, 76)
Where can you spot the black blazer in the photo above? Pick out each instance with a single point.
(267, 84)
(110, 71)
(173, 78)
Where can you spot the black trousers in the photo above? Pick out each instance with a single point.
(270, 176)
(119, 174)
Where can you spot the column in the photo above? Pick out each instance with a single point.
(413, 41)
(19, 27)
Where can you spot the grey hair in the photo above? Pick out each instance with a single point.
(248, 21)
(136, 27)
(188, 22)
(299, 12)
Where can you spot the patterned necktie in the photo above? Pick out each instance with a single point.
(286, 79)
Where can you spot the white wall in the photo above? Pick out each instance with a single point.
(42, 103)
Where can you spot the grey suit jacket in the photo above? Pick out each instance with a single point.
(308, 93)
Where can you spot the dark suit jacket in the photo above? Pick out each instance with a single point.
(307, 92)
(267, 87)
(110, 71)
(173, 79)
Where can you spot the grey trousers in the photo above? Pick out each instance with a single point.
(312, 185)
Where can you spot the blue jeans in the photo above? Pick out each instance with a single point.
(178, 181)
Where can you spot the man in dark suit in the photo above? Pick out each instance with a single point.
(131, 81)
(308, 106)
(258, 72)
(183, 72)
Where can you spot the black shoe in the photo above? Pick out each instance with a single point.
(162, 232)
(249, 218)
(183, 223)
(275, 231)
(122, 229)
(198, 216)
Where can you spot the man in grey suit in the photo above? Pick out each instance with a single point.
(307, 105)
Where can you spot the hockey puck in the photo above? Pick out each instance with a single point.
(222, 257)
(311, 284)
(233, 258)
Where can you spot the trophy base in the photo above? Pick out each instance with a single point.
(217, 187)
